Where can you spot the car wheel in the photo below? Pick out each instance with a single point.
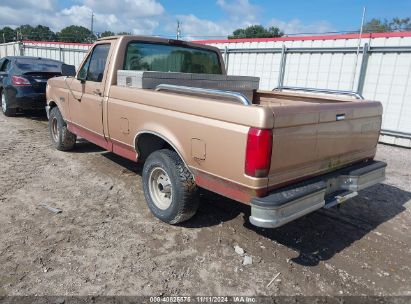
(4, 105)
(61, 137)
(169, 188)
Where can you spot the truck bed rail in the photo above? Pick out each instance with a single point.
(325, 91)
(205, 92)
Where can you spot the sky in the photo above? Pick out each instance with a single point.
(199, 18)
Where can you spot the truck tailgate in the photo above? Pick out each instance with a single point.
(311, 138)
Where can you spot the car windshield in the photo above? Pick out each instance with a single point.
(171, 58)
(38, 65)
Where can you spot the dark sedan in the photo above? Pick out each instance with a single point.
(23, 82)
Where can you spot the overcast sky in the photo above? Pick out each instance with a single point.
(199, 18)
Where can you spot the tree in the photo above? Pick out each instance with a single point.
(24, 32)
(123, 33)
(398, 24)
(76, 33)
(378, 26)
(8, 34)
(40, 32)
(256, 31)
(44, 33)
(107, 34)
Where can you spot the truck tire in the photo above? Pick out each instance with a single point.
(169, 188)
(61, 137)
(4, 106)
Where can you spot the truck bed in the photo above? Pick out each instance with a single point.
(313, 134)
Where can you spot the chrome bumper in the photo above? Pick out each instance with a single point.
(287, 204)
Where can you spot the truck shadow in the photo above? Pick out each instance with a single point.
(131, 166)
(320, 235)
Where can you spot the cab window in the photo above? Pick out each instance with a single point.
(145, 56)
(93, 67)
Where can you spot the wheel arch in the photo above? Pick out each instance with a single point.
(52, 104)
(149, 141)
(3, 88)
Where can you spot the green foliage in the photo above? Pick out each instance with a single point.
(106, 34)
(72, 33)
(398, 24)
(376, 26)
(40, 32)
(8, 34)
(379, 26)
(76, 33)
(256, 31)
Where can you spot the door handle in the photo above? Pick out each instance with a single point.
(97, 92)
(339, 117)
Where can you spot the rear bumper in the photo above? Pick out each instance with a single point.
(33, 101)
(289, 203)
(25, 99)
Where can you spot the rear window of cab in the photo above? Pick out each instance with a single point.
(143, 56)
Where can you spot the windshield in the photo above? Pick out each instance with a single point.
(38, 65)
(142, 56)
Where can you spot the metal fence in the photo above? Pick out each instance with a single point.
(377, 66)
(11, 49)
(70, 53)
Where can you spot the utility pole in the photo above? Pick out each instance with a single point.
(178, 35)
(92, 24)
(4, 38)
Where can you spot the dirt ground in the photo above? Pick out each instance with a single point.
(106, 242)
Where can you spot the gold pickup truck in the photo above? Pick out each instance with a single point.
(170, 105)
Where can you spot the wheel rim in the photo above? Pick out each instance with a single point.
(160, 188)
(3, 102)
(54, 129)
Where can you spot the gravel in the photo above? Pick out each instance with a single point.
(106, 242)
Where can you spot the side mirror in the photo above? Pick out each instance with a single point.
(82, 80)
(68, 70)
(82, 75)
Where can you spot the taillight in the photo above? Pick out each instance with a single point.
(258, 152)
(19, 81)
